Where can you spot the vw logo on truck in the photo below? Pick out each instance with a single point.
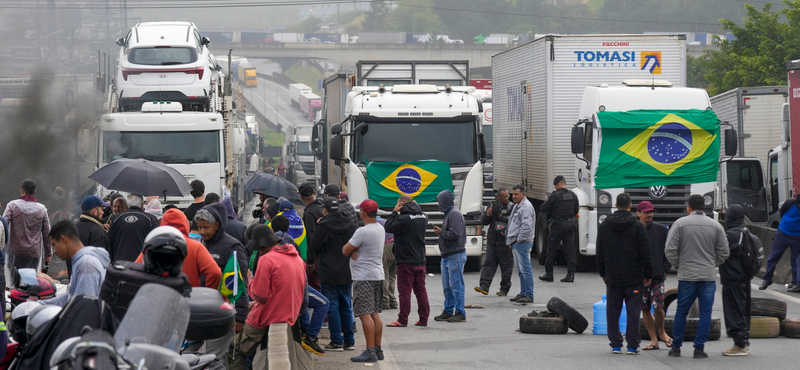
(658, 192)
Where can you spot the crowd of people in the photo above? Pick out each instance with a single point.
(305, 270)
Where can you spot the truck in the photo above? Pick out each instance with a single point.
(540, 91)
(334, 98)
(301, 162)
(247, 75)
(295, 91)
(288, 37)
(310, 104)
(389, 73)
(756, 113)
(405, 123)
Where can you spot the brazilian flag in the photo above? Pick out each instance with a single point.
(232, 285)
(657, 147)
(422, 180)
(297, 230)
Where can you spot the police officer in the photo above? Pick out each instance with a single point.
(497, 251)
(562, 208)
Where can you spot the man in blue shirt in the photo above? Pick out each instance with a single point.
(788, 236)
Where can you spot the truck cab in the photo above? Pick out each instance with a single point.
(779, 172)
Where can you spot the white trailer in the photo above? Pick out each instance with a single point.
(411, 72)
(295, 91)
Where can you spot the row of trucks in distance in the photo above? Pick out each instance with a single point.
(211, 145)
(305, 100)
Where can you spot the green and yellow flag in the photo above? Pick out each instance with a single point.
(232, 284)
(422, 180)
(657, 147)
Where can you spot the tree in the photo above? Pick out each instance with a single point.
(310, 24)
(415, 16)
(695, 72)
(375, 18)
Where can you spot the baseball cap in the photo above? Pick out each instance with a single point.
(645, 206)
(331, 204)
(344, 196)
(369, 206)
(286, 204)
(93, 201)
(558, 179)
(306, 189)
(331, 190)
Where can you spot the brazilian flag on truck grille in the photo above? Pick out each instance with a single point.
(422, 180)
(657, 147)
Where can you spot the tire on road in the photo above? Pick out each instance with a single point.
(691, 328)
(671, 296)
(575, 320)
(791, 328)
(768, 307)
(542, 325)
(764, 327)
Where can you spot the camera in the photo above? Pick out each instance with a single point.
(259, 211)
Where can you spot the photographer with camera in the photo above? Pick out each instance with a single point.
(497, 252)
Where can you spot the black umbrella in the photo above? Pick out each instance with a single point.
(272, 185)
(142, 177)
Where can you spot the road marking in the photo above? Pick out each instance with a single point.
(778, 294)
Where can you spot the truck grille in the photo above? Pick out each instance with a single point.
(669, 209)
(308, 167)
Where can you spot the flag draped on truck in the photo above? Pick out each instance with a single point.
(657, 147)
(422, 180)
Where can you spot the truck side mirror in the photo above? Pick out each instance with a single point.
(337, 148)
(578, 139)
(205, 40)
(336, 129)
(731, 143)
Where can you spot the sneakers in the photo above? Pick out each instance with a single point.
(616, 350)
(794, 289)
(633, 351)
(312, 346)
(699, 353)
(443, 317)
(481, 290)
(379, 353)
(333, 347)
(737, 351)
(515, 298)
(764, 285)
(524, 299)
(457, 318)
(546, 277)
(501, 293)
(674, 352)
(367, 356)
(349, 346)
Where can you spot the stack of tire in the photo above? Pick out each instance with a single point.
(768, 319)
(670, 296)
(557, 319)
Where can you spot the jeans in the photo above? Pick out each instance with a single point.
(497, 254)
(319, 304)
(453, 283)
(412, 278)
(340, 312)
(779, 246)
(522, 254)
(632, 296)
(688, 292)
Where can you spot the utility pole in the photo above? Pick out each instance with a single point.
(124, 16)
(108, 17)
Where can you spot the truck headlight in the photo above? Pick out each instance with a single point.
(604, 199)
(473, 230)
(708, 200)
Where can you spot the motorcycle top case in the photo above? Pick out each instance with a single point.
(123, 279)
(211, 316)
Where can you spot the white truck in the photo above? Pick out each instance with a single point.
(756, 112)
(408, 122)
(296, 91)
(302, 164)
(540, 92)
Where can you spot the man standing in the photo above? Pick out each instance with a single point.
(787, 237)
(452, 240)
(128, 230)
(520, 240)
(696, 245)
(736, 285)
(389, 270)
(233, 226)
(345, 208)
(365, 250)
(653, 294)
(561, 208)
(89, 263)
(311, 216)
(623, 260)
(90, 229)
(497, 251)
(408, 224)
(29, 230)
(333, 232)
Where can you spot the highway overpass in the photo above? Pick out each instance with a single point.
(479, 55)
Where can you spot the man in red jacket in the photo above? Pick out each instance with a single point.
(277, 291)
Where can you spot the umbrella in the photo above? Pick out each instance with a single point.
(272, 185)
(143, 177)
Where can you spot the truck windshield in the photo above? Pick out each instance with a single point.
(398, 142)
(487, 136)
(304, 148)
(167, 147)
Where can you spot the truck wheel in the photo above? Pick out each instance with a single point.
(791, 328)
(541, 243)
(764, 327)
(542, 325)
(575, 320)
(768, 307)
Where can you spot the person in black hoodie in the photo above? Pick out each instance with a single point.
(736, 285)
(408, 224)
(311, 215)
(653, 294)
(623, 260)
(211, 221)
(333, 232)
(128, 230)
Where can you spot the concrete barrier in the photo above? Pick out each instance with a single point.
(282, 352)
(783, 272)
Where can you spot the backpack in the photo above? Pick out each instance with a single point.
(752, 253)
(100, 356)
